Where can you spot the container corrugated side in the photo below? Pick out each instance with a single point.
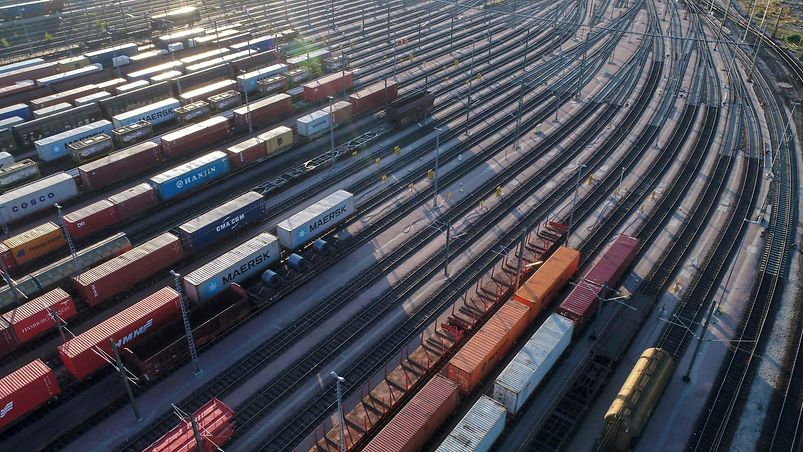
(55, 147)
(40, 195)
(125, 327)
(235, 266)
(90, 219)
(33, 318)
(313, 123)
(134, 200)
(246, 152)
(228, 218)
(190, 175)
(614, 261)
(214, 418)
(26, 389)
(33, 244)
(156, 113)
(539, 290)
(478, 430)
(277, 139)
(519, 379)
(248, 81)
(120, 165)
(418, 420)
(315, 220)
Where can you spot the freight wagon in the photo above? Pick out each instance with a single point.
(248, 81)
(63, 96)
(193, 112)
(478, 429)
(195, 136)
(33, 319)
(90, 148)
(254, 149)
(313, 60)
(330, 85)
(260, 43)
(157, 113)
(37, 129)
(21, 110)
(26, 389)
(30, 245)
(149, 72)
(20, 65)
(105, 56)
(165, 76)
(31, 9)
(126, 87)
(37, 196)
(373, 97)
(216, 224)
(203, 65)
(263, 111)
(18, 173)
(29, 73)
(69, 75)
(225, 101)
(186, 15)
(214, 418)
(190, 176)
(411, 108)
(179, 37)
(69, 64)
(120, 165)
(55, 147)
(131, 134)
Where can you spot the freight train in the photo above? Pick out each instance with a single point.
(30, 9)
(214, 418)
(413, 427)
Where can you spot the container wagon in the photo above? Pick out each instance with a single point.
(373, 97)
(131, 134)
(37, 129)
(195, 136)
(120, 165)
(193, 112)
(183, 179)
(478, 429)
(263, 112)
(27, 200)
(411, 109)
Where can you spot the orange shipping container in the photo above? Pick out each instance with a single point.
(538, 291)
(413, 426)
(481, 353)
(32, 244)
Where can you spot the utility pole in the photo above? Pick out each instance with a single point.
(25, 29)
(332, 131)
(446, 251)
(388, 20)
(722, 24)
(574, 203)
(520, 263)
(341, 438)
(582, 65)
(186, 320)
(518, 115)
(110, 31)
(247, 108)
(59, 324)
(124, 377)
(68, 237)
(437, 153)
(196, 432)
(777, 19)
(470, 85)
(750, 19)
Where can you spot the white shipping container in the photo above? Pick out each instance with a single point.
(55, 147)
(42, 194)
(132, 86)
(478, 430)
(91, 98)
(175, 47)
(42, 112)
(6, 159)
(248, 81)
(520, 378)
(243, 262)
(156, 113)
(164, 76)
(313, 123)
(315, 220)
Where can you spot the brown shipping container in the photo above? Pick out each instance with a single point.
(120, 165)
(33, 318)
(341, 111)
(32, 244)
(609, 268)
(8, 340)
(195, 136)
(90, 219)
(318, 90)
(29, 73)
(480, 354)
(246, 152)
(419, 419)
(134, 200)
(373, 97)
(126, 327)
(25, 389)
(538, 291)
(264, 111)
(113, 277)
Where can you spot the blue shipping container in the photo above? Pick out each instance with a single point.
(191, 175)
(20, 65)
(248, 81)
(105, 56)
(55, 147)
(21, 110)
(229, 218)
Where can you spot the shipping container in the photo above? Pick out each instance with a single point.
(374, 97)
(296, 94)
(246, 152)
(248, 81)
(118, 274)
(19, 172)
(225, 59)
(36, 196)
(136, 98)
(272, 85)
(64, 121)
(167, 348)
(21, 92)
(260, 43)
(111, 85)
(21, 110)
(126, 327)
(182, 36)
(90, 148)
(490, 344)
(69, 75)
(478, 430)
(245, 261)
(6, 159)
(550, 278)
(312, 59)
(94, 97)
(222, 221)
(214, 418)
(132, 86)
(28, 73)
(42, 112)
(298, 76)
(226, 37)
(315, 220)
(135, 200)
(330, 85)
(194, 80)
(264, 111)
(53, 274)
(313, 124)
(20, 65)
(514, 386)
(193, 112)
(8, 341)
(120, 165)
(335, 63)
(90, 219)
(156, 113)
(185, 15)
(34, 318)
(225, 101)
(413, 426)
(195, 136)
(55, 147)
(145, 59)
(204, 55)
(8, 123)
(411, 108)
(72, 63)
(278, 139)
(32, 244)
(105, 56)
(148, 72)
(207, 91)
(339, 111)
(165, 76)
(190, 176)
(64, 96)
(254, 60)
(25, 390)
(132, 134)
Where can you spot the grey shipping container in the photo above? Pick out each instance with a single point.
(19, 172)
(42, 112)
(243, 262)
(315, 220)
(216, 224)
(478, 430)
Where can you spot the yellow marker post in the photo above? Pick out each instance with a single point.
(384, 178)
(397, 150)
(410, 186)
(498, 191)
(354, 153)
(430, 174)
(448, 196)
(377, 160)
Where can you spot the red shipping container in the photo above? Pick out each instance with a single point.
(120, 165)
(7, 257)
(90, 219)
(341, 112)
(29, 73)
(116, 275)
(215, 419)
(126, 327)
(423, 415)
(373, 97)
(581, 304)
(33, 318)
(26, 389)
(246, 152)
(613, 263)
(263, 111)
(317, 90)
(16, 88)
(134, 200)
(8, 341)
(195, 136)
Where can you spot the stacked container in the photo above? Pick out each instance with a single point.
(479, 428)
